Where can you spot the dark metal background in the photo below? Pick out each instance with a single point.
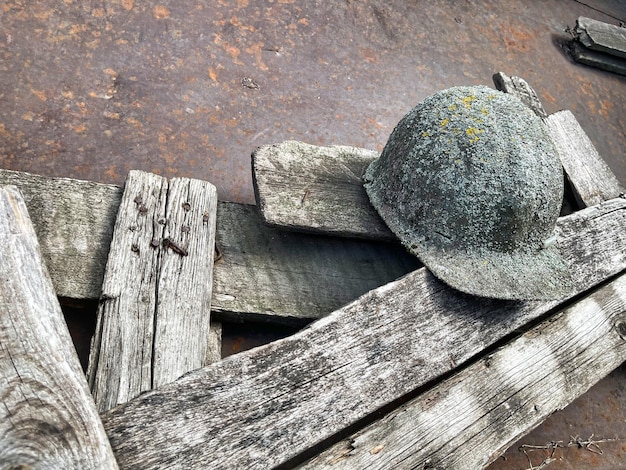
(92, 89)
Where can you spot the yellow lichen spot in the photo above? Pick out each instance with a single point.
(445, 122)
(484, 111)
(425, 134)
(473, 131)
(467, 101)
(473, 140)
(452, 107)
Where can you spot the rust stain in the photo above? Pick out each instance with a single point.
(161, 12)
(39, 94)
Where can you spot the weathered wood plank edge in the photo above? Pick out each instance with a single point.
(597, 59)
(267, 406)
(314, 189)
(599, 36)
(262, 274)
(466, 421)
(47, 418)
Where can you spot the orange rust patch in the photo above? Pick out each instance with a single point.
(128, 4)
(39, 94)
(212, 74)
(161, 12)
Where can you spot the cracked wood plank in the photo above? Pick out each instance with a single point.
(154, 313)
(519, 87)
(268, 406)
(263, 273)
(468, 420)
(47, 418)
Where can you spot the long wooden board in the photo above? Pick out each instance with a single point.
(466, 421)
(154, 313)
(261, 274)
(47, 416)
(267, 273)
(267, 406)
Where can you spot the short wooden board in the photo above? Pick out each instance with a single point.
(154, 313)
(599, 36)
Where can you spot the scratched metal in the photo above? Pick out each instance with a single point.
(189, 88)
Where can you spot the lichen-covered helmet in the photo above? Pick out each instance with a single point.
(470, 182)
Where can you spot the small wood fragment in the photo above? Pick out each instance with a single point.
(47, 416)
(599, 36)
(519, 87)
(316, 189)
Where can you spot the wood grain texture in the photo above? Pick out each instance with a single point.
(265, 407)
(600, 36)
(185, 282)
(590, 177)
(121, 355)
(519, 87)
(47, 419)
(316, 189)
(74, 223)
(154, 313)
(274, 275)
(466, 421)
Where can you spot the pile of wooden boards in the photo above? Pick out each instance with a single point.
(398, 371)
(600, 45)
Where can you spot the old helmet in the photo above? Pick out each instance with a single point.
(470, 182)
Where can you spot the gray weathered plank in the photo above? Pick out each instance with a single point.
(590, 177)
(597, 59)
(263, 273)
(121, 355)
(47, 418)
(265, 407)
(600, 36)
(154, 314)
(466, 421)
(184, 289)
(266, 273)
(316, 189)
(74, 223)
(519, 87)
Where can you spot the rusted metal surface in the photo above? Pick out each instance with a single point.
(189, 88)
